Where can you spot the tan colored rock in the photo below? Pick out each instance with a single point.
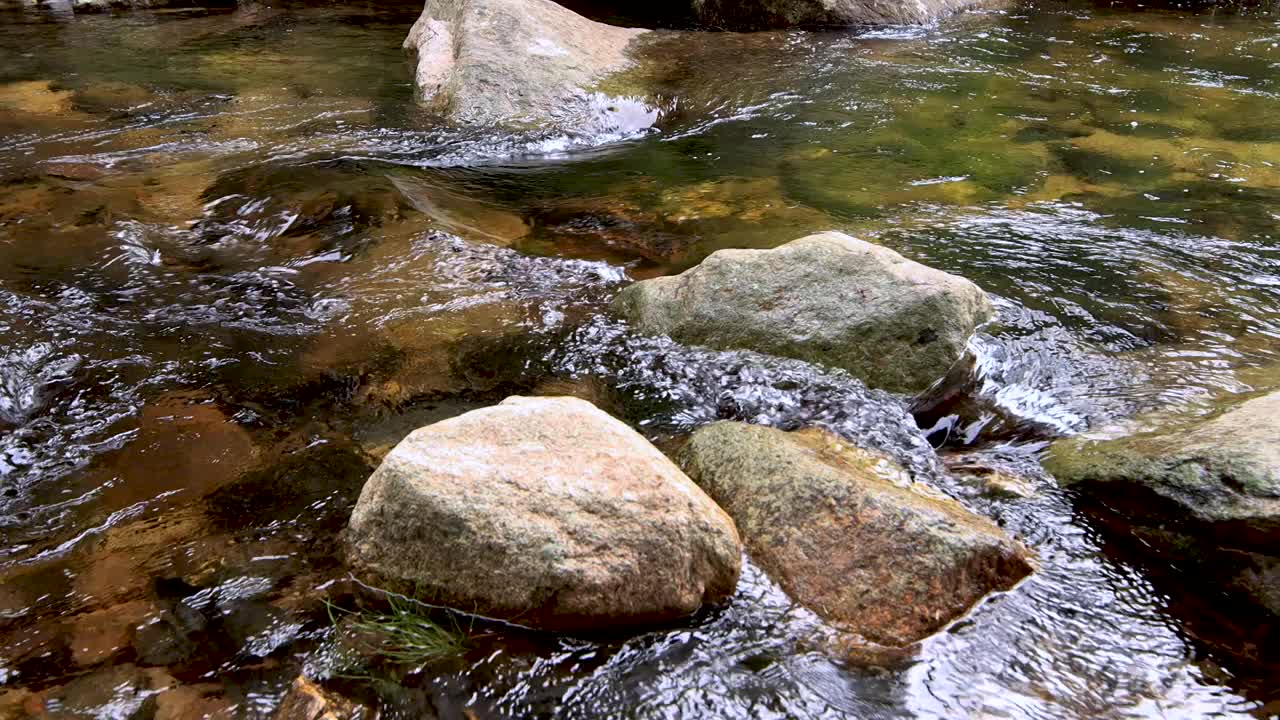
(118, 691)
(513, 61)
(20, 703)
(184, 442)
(119, 566)
(547, 512)
(846, 534)
(995, 479)
(191, 702)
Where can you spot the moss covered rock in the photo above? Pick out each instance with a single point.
(1226, 469)
(826, 298)
(1203, 495)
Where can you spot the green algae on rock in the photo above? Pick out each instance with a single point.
(1224, 470)
(845, 532)
(826, 298)
(1205, 494)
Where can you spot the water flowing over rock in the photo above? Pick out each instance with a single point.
(520, 62)
(826, 298)
(308, 701)
(1205, 495)
(769, 14)
(845, 532)
(547, 512)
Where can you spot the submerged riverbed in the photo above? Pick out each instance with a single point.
(237, 265)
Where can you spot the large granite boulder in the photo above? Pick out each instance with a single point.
(846, 533)
(826, 298)
(1202, 494)
(520, 62)
(547, 512)
(770, 14)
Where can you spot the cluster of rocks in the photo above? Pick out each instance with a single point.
(550, 513)
(534, 63)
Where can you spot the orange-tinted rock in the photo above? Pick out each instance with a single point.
(846, 533)
(308, 701)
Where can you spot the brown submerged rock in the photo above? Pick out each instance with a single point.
(547, 512)
(845, 534)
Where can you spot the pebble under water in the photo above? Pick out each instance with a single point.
(237, 265)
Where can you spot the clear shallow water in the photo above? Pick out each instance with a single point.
(236, 266)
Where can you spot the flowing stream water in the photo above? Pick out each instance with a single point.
(237, 265)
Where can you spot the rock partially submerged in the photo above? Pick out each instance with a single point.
(520, 62)
(308, 701)
(771, 14)
(826, 298)
(1205, 495)
(546, 512)
(845, 532)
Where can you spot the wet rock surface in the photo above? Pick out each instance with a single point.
(547, 512)
(826, 298)
(847, 534)
(515, 61)
(1204, 493)
(308, 701)
(121, 691)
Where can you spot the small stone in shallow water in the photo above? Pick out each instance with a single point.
(36, 97)
(74, 171)
(119, 691)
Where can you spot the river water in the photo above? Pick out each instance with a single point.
(237, 265)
